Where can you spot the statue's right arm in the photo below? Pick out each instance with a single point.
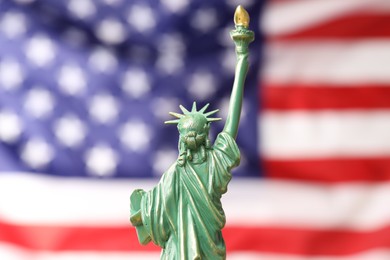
(233, 118)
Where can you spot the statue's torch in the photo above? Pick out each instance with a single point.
(242, 36)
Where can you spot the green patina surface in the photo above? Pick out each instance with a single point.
(183, 213)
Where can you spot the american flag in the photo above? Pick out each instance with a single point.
(85, 87)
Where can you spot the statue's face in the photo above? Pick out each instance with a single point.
(193, 129)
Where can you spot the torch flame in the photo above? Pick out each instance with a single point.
(241, 17)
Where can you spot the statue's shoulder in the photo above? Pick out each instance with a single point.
(173, 170)
(223, 139)
(225, 147)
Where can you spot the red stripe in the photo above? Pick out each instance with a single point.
(255, 238)
(332, 170)
(296, 96)
(306, 242)
(61, 238)
(357, 26)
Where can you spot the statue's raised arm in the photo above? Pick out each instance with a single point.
(241, 36)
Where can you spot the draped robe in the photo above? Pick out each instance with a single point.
(183, 213)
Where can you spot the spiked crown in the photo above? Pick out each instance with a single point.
(193, 118)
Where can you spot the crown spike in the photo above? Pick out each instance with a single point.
(177, 115)
(204, 108)
(171, 122)
(185, 111)
(193, 112)
(211, 112)
(193, 107)
(213, 119)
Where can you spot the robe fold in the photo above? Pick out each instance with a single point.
(183, 213)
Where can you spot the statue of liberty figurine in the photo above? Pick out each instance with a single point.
(183, 213)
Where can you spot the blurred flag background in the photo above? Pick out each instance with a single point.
(85, 87)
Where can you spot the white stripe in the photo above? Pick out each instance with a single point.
(44, 200)
(383, 7)
(8, 252)
(294, 16)
(289, 135)
(13, 253)
(330, 62)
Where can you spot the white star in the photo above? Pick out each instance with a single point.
(170, 63)
(40, 50)
(175, 6)
(171, 54)
(10, 127)
(13, 24)
(70, 130)
(224, 37)
(11, 74)
(204, 20)
(37, 153)
(229, 61)
(71, 80)
(103, 60)
(142, 18)
(135, 135)
(104, 108)
(82, 8)
(202, 85)
(39, 102)
(101, 160)
(161, 107)
(245, 3)
(112, 2)
(163, 159)
(224, 109)
(24, 1)
(111, 31)
(136, 83)
(171, 43)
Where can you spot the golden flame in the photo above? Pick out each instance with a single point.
(241, 17)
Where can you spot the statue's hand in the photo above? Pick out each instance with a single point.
(136, 219)
(135, 207)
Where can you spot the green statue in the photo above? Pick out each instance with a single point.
(183, 213)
